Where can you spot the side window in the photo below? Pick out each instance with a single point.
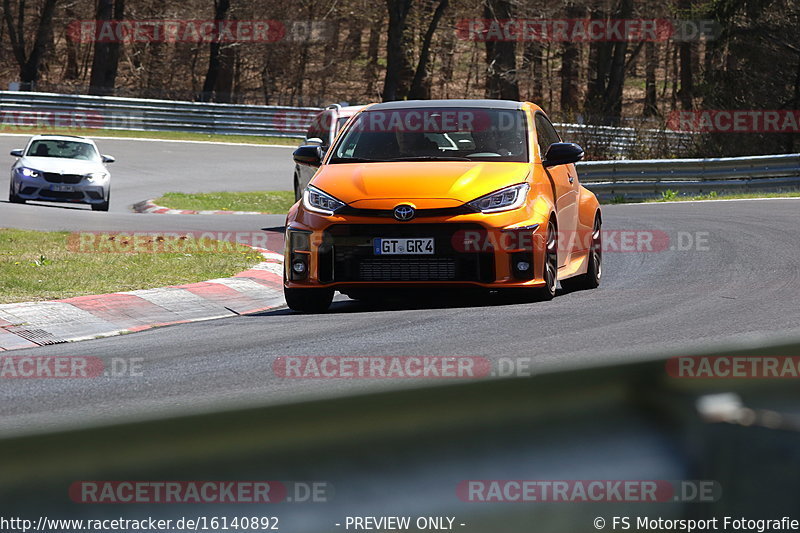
(545, 134)
(318, 127)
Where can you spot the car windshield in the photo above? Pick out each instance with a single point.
(430, 134)
(63, 149)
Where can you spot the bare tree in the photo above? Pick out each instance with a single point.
(29, 62)
(106, 54)
(501, 61)
(399, 72)
(215, 60)
(420, 86)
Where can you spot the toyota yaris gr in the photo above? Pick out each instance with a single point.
(61, 168)
(442, 193)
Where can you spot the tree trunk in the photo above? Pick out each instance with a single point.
(399, 72)
(599, 66)
(570, 67)
(371, 70)
(533, 70)
(106, 55)
(501, 61)
(221, 9)
(223, 89)
(651, 63)
(420, 86)
(612, 108)
(685, 51)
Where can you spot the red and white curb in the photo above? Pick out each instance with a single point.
(31, 324)
(148, 206)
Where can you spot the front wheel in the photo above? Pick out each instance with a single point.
(550, 265)
(308, 300)
(13, 198)
(104, 205)
(594, 271)
(298, 194)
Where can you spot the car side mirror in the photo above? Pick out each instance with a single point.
(18, 152)
(108, 158)
(308, 154)
(562, 154)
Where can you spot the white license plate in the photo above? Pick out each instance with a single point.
(62, 188)
(419, 246)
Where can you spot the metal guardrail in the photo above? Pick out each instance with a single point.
(114, 113)
(653, 177)
(623, 141)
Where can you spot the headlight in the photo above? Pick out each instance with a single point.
(502, 200)
(319, 202)
(29, 172)
(99, 176)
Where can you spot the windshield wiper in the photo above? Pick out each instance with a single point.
(431, 158)
(355, 160)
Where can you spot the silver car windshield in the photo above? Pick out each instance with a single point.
(63, 149)
(447, 134)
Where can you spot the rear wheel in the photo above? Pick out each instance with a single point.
(550, 272)
(308, 300)
(594, 271)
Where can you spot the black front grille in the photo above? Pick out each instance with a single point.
(347, 254)
(55, 177)
(407, 270)
(61, 195)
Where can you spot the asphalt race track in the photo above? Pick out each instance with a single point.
(723, 273)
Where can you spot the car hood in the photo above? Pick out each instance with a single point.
(428, 183)
(62, 166)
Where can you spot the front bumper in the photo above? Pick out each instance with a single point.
(468, 252)
(84, 192)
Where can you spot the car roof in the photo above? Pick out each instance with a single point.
(350, 110)
(415, 104)
(73, 138)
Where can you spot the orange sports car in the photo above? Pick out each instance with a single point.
(457, 193)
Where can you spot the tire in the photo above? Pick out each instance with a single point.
(104, 205)
(550, 271)
(308, 300)
(590, 280)
(297, 192)
(13, 198)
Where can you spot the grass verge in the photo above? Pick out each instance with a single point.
(163, 135)
(674, 196)
(274, 202)
(38, 265)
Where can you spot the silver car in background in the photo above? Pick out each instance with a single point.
(61, 168)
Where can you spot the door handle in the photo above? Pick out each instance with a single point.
(572, 179)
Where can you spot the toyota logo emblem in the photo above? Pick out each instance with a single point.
(404, 212)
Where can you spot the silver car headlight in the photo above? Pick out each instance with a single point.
(29, 172)
(502, 200)
(320, 202)
(96, 176)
